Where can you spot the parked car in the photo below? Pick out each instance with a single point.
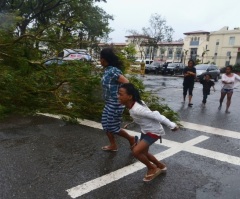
(57, 61)
(146, 61)
(203, 69)
(223, 69)
(155, 67)
(175, 68)
(75, 54)
(164, 70)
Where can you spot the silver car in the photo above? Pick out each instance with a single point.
(203, 69)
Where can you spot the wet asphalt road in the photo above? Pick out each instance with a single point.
(42, 157)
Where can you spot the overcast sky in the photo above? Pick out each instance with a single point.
(182, 16)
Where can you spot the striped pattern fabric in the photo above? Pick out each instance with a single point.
(112, 116)
(110, 83)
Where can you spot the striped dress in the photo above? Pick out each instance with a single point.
(112, 112)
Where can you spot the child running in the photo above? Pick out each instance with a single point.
(207, 84)
(151, 128)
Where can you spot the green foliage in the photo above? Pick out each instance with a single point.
(70, 89)
(198, 61)
(236, 68)
(130, 52)
(153, 101)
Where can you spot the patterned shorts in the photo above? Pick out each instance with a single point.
(224, 90)
(112, 117)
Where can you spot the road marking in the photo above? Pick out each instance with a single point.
(174, 147)
(188, 125)
(211, 130)
(120, 173)
(189, 147)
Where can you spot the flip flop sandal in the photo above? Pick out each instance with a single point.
(150, 177)
(106, 148)
(164, 170)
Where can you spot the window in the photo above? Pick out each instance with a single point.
(229, 53)
(170, 53)
(215, 54)
(227, 63)
(206, 47)
(195, 42)
(208, 37)
(231, 40)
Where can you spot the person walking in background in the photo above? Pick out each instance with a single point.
(151, 129)
(188, 82)
(228, 83)
(207, 84)
(112, 112)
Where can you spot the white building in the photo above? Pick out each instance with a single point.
(221, 47)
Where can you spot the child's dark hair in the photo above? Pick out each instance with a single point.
(230, 66)
(110, 56)
(191, 60)
(131, 90)
(210, 76)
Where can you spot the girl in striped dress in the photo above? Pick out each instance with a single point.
(112, 112)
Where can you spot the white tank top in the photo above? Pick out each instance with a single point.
(231, 80)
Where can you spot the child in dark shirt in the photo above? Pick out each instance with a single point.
(207, 84)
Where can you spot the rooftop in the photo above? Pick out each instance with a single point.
(196, 32)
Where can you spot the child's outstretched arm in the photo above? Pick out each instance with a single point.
(157, 116)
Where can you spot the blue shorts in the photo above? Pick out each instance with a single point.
(225, 90)
(148, 138)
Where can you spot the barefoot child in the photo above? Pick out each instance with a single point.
(207, 84)
(151, 129)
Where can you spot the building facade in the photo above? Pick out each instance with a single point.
(196, 45)
(224, 46)
(220, 47)
(165, 51)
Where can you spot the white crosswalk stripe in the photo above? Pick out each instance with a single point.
(174, 147)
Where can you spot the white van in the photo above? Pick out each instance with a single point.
(74, 54)
(146, 61)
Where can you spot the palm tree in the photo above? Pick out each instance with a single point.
(185, 55)
(204, 52)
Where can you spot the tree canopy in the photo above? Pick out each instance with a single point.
(158, 31)
(33, 30)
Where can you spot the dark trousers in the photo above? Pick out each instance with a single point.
(204, 98)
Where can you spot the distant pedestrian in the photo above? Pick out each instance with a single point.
(112, 112)
(188, 82)
(207, 84)
(151, 128)
(228, 83)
